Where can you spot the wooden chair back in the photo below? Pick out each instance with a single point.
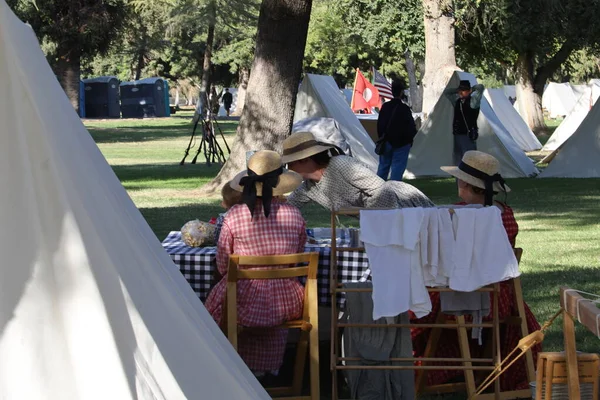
(310, 317)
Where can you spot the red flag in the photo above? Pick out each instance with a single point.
(365, 95)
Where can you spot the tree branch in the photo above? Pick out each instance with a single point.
(543, 72)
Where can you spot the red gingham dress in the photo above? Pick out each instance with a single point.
(516, 376)
(261, 303)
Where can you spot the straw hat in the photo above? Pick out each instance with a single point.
(265, 161)
(480, 161)
(301, 145)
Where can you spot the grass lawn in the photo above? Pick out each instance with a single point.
(559, 218)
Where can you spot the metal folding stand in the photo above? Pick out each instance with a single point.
(464, 362)
(209, 145)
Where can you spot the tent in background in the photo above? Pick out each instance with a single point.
(575, 118)
(434, 143)
(558, 99)
(347, 95)
(510, 91)
(512, 121)
(319, 96)
(92, 306)
(579, 156)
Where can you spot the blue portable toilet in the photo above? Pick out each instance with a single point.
(167, 103)
(102, 97)
(81, 99)
(143, 99)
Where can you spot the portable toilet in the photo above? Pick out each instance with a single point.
(167, 102)
(101, 97)
(81, 99)
(143, 99)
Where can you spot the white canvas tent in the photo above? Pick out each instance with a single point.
(319, 96)
(558, 99)
(512, 121)
(92, 306)
(579, 156)
(576, 116)
(433, 144)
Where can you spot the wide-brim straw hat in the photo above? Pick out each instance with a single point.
(480, 161)
(265, 161)
(301, 145)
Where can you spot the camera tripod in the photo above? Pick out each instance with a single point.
(209, 146)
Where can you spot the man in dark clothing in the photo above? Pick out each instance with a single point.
(397, 124)
(466, 102)
(227, 100)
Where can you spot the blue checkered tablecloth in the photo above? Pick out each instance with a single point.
(198, 265)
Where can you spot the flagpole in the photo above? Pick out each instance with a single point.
(354, 90)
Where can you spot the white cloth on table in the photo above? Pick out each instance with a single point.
(395, 260)
(482, 252)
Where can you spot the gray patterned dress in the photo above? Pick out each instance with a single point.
(347, 182)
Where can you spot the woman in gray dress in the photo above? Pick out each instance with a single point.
(339, 181)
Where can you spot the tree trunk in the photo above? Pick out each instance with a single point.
(440, 57)
(139, 65)
(244, 75)
(529, 102)
(416, 99)
(68, 73)
(205, 85)
(273, 85)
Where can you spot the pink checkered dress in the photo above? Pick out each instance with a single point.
(261, 303)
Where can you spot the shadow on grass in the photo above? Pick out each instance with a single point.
(541, 290)
(147, 132)
(574, 200)
(165, 172)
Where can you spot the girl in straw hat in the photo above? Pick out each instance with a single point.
(338, 181)
(478, 181)
(261, 225)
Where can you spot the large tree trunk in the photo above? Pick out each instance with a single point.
(416, 98)
(273, 85)
(243, 76)
(205, 85)
(439, 50)
(68, 73)
(529, 102)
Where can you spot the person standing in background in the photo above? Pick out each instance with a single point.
(397, 126)
(227, 100)
(466, 102)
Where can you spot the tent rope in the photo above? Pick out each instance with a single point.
(524, 345)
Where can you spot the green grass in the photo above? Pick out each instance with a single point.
(559, 218)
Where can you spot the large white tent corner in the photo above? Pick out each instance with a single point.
(512, 121)
(569, 125)
(579, 155)
(558, 99)
(433, 144)
(319, 96)
(92, 306)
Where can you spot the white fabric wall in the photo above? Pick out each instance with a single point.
(512, 121)
(574, 119)
(558, 99)
(92, 306)
(579, 156)
(434, 142)
(319, 96)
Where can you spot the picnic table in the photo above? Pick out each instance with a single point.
(199, 267)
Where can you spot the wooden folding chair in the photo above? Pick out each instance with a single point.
(308, 324)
